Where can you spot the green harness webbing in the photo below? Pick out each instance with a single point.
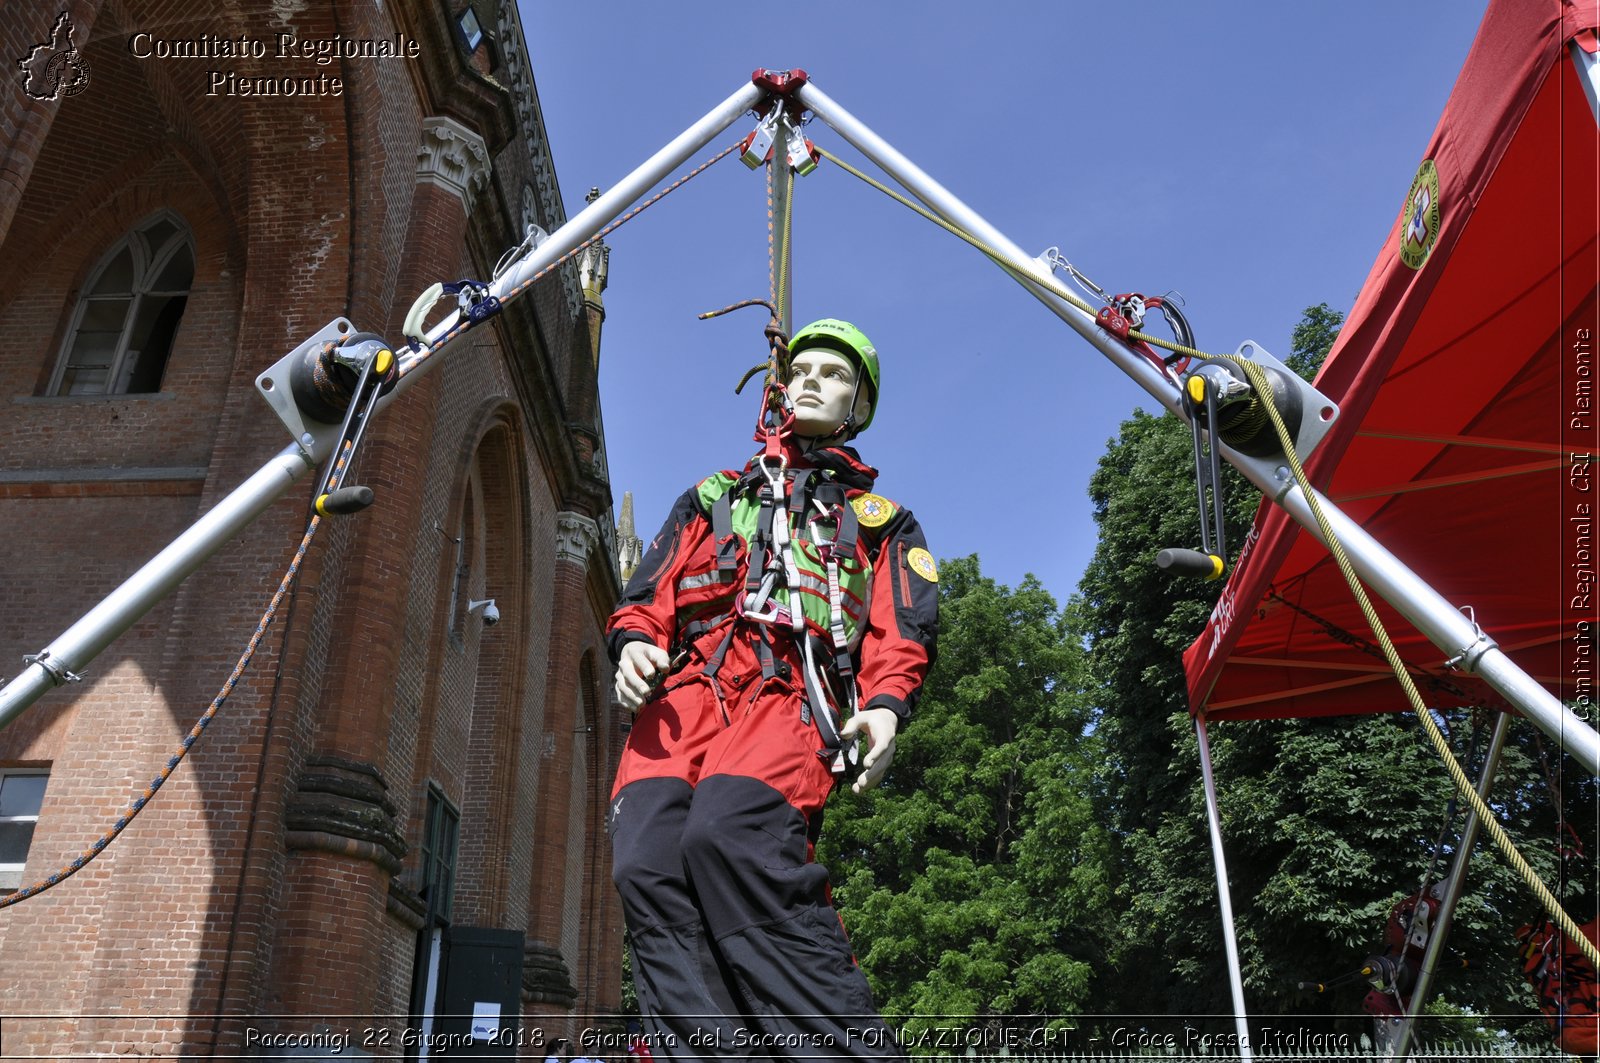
(829, 698)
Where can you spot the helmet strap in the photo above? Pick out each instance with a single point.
(848, 428)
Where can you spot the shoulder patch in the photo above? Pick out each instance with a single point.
(873, 511)
(921, 562)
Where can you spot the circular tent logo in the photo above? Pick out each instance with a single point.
(1419, 220)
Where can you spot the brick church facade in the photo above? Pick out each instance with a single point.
(399, 810)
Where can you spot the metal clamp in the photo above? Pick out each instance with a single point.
(1467, 660)
(60, 675)
(535, 236)
(1052, 259)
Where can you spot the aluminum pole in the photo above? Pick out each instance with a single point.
(608, 207)
(72, 651)
(1453, 887)
(1439, 621)
(1230, 941)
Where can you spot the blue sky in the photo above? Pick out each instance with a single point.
(1248, 156)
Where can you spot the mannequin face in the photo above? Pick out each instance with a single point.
(821, 387)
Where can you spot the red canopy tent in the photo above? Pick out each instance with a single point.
(1468, 376)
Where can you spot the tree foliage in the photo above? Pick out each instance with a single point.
(968, 878)
(1312, 339)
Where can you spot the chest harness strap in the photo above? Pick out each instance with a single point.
(808, 499)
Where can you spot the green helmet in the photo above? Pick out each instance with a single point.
(844, 338)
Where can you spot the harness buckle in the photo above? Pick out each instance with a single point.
(774, 467)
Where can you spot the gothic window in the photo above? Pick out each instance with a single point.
(125, 321)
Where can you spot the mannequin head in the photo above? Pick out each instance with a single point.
(825, 391)
(850, 345)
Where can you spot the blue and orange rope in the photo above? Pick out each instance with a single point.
(138, 803)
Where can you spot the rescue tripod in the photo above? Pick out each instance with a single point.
(1251, 379)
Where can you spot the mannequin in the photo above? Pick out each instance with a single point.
(784, 615)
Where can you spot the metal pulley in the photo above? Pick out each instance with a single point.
(1225, 407)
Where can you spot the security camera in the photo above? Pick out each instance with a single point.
(491, 612)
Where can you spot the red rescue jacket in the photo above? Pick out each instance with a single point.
(687, 583)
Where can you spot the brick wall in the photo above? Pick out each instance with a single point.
(276, 872)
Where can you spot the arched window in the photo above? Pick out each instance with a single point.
(124, 324)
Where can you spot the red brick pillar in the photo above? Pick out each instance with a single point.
(553, 942)
(344, 831)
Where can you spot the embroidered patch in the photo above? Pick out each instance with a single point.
(872, 510)
(921, 563)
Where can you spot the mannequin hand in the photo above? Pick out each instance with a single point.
(880, 726)
(637, 670)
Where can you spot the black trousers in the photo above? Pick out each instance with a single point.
(737, 950)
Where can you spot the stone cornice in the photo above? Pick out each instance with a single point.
(525, 99)
(546, 978)
(342, 806)
(454, 158)
(576, 536)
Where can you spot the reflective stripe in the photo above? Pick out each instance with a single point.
(705, 579)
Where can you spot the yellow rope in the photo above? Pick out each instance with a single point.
(1263, 387)
(1056, 288)
(1441, 745)
(784, 251)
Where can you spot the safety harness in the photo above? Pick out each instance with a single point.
(804, 581)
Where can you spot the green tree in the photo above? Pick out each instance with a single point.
(1312, 339)
(968, 878)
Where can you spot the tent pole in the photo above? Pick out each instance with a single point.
(1459, 638)
(1230, 941)
(1453, 887)
(72, 650)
